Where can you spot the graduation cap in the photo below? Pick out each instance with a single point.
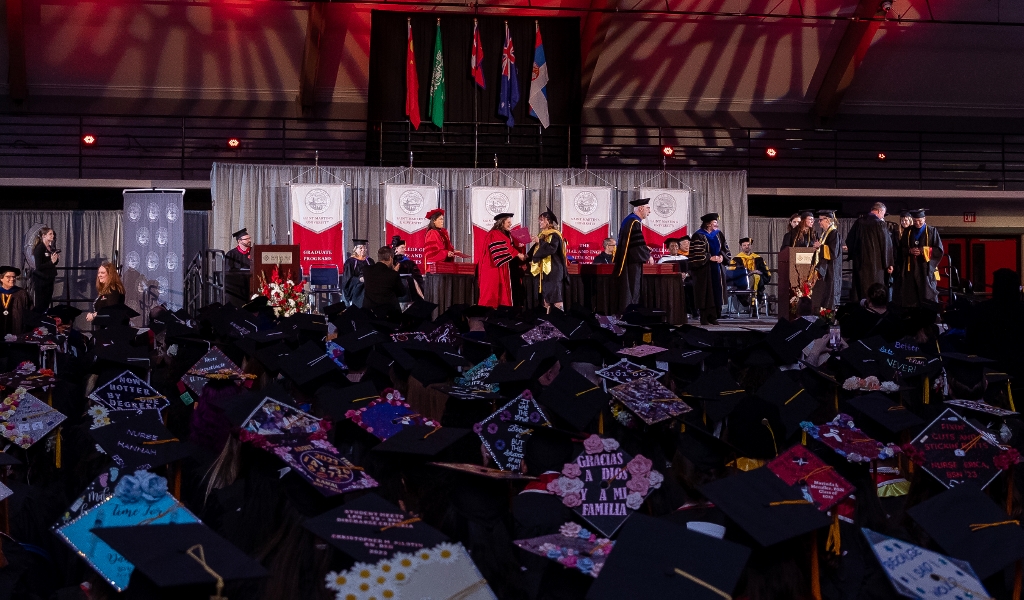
(968, 525)
(309, 365)
(653, 558)
(7, 459)
(370, 528)
(574, 398)
(339, 400)
(626, 371)
(717, 384)
(705, 219)
(953, 451)
(272, 356)
(117, 314)
(504, 432)
(240, 233)
(912, 568)
(794, 402)
(703, 449)
(519, 371)
(361, 339)
(649, 400)
(764, 506)
(845, 439)
(181, 554)
(418, 311)
(801, 469)
(140, 443)
(893, 417)
(787, 339)
(966, 369)
(422, 440)
(65, 312)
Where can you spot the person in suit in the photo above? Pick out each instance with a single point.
(45, 273)
(238, 262)
(606, 257)
(632, 252)
(382, 285)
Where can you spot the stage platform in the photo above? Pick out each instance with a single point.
(740, 324)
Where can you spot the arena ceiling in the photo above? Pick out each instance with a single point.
(643, 59)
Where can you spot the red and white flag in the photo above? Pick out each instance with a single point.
(476, 59)
(412, 84)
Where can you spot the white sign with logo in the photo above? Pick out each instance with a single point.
(586, 209)
(670, 210)
(485, 203)
(317, 207)
(406, 206)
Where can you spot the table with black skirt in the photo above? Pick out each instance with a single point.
(599, 293)
(447, 289)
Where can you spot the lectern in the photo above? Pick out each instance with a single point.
(794, 269)
(285, 258)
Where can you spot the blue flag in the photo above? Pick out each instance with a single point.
(508, 97)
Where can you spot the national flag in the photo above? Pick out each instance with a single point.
(508, 97)
(539, 83)
(436, 109)
(476, 59)
(412, 84)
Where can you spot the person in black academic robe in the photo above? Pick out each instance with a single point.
(406, 266)
(608, 256)
(896, 235)
(238, 269)
(801, 235)
(871, 251)
(352, 278)
(382, 285)
(708, 252)
(632, 253)
(828, 264)
(921, 250)
(14, 303)
(547, 256)
(45, 273)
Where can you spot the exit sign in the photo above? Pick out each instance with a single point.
(970, 217)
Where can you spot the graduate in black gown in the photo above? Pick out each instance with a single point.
(352, 278)
(406, 266)
(921, 250)
(109, 288)
(45, 274)
(238, 267)
(800, 235)
(871, 251)
(828, 264)
(15, 303)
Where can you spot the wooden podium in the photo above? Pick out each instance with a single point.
(794, 269)
(266, 258)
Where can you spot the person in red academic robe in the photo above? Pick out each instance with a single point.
(494, 269)
(437, 244)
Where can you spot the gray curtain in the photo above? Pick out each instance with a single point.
(256, 196)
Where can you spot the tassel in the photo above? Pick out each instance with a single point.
(815, 575)
(600, 423)
(1018, 578)
(835, 390)
(833, 542)
(1009, 396)
(57, 448)
(176, 492)
(925, 392)
(803, 438)
(3, 558)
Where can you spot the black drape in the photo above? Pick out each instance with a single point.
(466, 104)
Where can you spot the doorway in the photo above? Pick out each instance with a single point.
(976, 258)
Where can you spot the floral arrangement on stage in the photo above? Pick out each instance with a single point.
(283, 295)
(828, 315)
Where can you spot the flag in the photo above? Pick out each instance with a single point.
(476, 59)
(436, 109)
(539, 83)
(412, 84)
(508, 97)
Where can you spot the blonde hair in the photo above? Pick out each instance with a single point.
(39, 235)
(113, 280)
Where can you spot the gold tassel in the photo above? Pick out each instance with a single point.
(835, 390)
(832, 543)
(815, 575)
(803, 438)
(600, 423)
(57, 449)
(1009, 396)
(927, 390)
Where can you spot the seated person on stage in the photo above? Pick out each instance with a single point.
(674, 253)
(753, 263)
(608, 256)
(406, 266)
(16, 303)
(382, 285)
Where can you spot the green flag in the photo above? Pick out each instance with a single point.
(436, 110)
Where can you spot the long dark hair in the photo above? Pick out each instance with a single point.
(433, 222)
(497, 224)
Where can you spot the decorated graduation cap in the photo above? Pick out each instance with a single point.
(649, 400)
(626, 371)
(543, 331)
(574, 398)
(25, 419)
(640, 202)
(140, 443)
(912, 569)
(572, 547)
(370, 528)
(387, 415)
(504, 433)
(953, 451)
(845, 439)
(968, 525)
(241, 233)
(801, 469)
(764, 506)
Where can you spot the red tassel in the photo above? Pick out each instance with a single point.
(815, 574)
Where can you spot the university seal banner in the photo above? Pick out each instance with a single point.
(153, 249)
(318, 224)
(586, 216)
(487, 202)
(669, 218)
(405, 214)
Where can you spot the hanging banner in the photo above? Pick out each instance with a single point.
(153, 247)
(405, 214)
(485, 202)
(669, 218)
(586, 221)
(317, 224)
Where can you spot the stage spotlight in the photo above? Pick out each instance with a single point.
(667, 151)
(881, 156)
(234, 143)
(771, 152)
(89, 139)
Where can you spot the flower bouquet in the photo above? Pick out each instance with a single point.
(283, 295)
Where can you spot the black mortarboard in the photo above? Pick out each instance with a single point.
(162, 554)
(396, 241)
(708, 218)
(9, 268)
(574, 398)
(966, 369)
(904, 213)
(640, 202)
(266, 337)
(918, 213)
(795, 403)
(140, 443)
(764, 506)
(115, 334)
(657, 559)
(420, 310)
(827, 213)
(806, 213)
(422, 440)
(8, 459)
(270, 357)
(744, 240)
(500, 216)
(968, 525)
(550, 348)
(309, 365)
(788, 338)
(65, 312)
(894, 418)
(549, 215)
(359, 242)
(240, 233)
(703, 449)
(370, 528)
(239, 408)
(717, 384)
(862, 359)
(337, 401)
(360, 339)
(518, 370)
(121, 355)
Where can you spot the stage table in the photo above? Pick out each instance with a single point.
(446, 289)
(599, 292)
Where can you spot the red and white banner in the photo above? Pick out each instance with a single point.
(317, 224)
(485, 202)
(405, 214)
(669, 218)
(586, 216)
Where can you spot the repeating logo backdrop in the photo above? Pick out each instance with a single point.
(152, 249)
(669, 218)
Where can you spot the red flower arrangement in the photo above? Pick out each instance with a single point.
(283, 295)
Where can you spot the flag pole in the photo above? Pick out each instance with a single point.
(476, 116)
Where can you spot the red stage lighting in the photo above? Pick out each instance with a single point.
(88, 139)
(234, 143)
(771, 152)
(881, 156)
(667, 151)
